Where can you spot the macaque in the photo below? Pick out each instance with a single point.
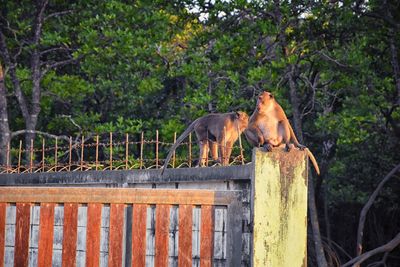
(269, 127)
(217, 131)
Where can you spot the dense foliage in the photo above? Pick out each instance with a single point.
(84, 67)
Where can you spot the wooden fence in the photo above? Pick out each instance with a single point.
(26, 243)
(102, 152)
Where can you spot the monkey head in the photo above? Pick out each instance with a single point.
(243, 120)
(265, 101)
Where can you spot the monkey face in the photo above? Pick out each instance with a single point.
(243, 119)
(264, 101)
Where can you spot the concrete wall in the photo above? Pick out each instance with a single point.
(277, 182)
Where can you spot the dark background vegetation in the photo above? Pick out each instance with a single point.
(85, 67)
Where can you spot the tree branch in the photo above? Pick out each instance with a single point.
(20, 132)
(367, 206)
(385, 248)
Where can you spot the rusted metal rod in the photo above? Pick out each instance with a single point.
(56, 155)
(126, 150)
(174, 154)
(111, 151)
(141, 150)
(97, 152)
(70, 154)
(190, 150)
(82, 151)
(156, 149)
(19, 156)
(43, 153)
(224, 148)
(31, 157)
(8, 157)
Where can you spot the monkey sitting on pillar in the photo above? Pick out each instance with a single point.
(269, 127)
(218, 131)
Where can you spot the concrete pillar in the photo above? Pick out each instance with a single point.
(279, 209)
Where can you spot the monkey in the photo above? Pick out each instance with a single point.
(269, 127)
(216, 130)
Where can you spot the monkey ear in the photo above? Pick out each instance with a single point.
(271, 95)
(237, 114)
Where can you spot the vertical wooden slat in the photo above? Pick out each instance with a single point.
(185, 235)
(206, 235)
(93, 234)
(45, 251)
(70, 229)
(21, 249)
(139, 235)
(3, 207)
(162, 234)
(116, 235)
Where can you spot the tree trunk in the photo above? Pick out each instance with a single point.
(319, 249)
(4, 126)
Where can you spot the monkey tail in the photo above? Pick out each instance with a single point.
(178, 141)
(313, 160)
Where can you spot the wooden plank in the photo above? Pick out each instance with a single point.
(21, 249)
(162, 234)
(69, 234)
(207, 235)
(116, 235)
(3, 207)
(185, 235)
(93, 234)
(114, 195)
(139, 235)
(46, 232)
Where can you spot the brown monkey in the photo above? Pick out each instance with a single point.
(269, 127)
(218, 131)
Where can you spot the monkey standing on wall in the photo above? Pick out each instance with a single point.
(218, 131)
(269, 127)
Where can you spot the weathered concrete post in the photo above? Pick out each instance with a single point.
(279, 208)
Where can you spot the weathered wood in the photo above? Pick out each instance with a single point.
(280, 208)
(113, 195)
(116, 235)
(162, 233)
(93, 235)
(185, 235)
(46, 233)
(3, 208)
(139, 235)
(70, 229)
(207, 237)
(21, 249)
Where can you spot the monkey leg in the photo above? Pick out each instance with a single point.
(254, 136)
(227, 154)
(267, 146)
(203, 153)
(214, 150)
